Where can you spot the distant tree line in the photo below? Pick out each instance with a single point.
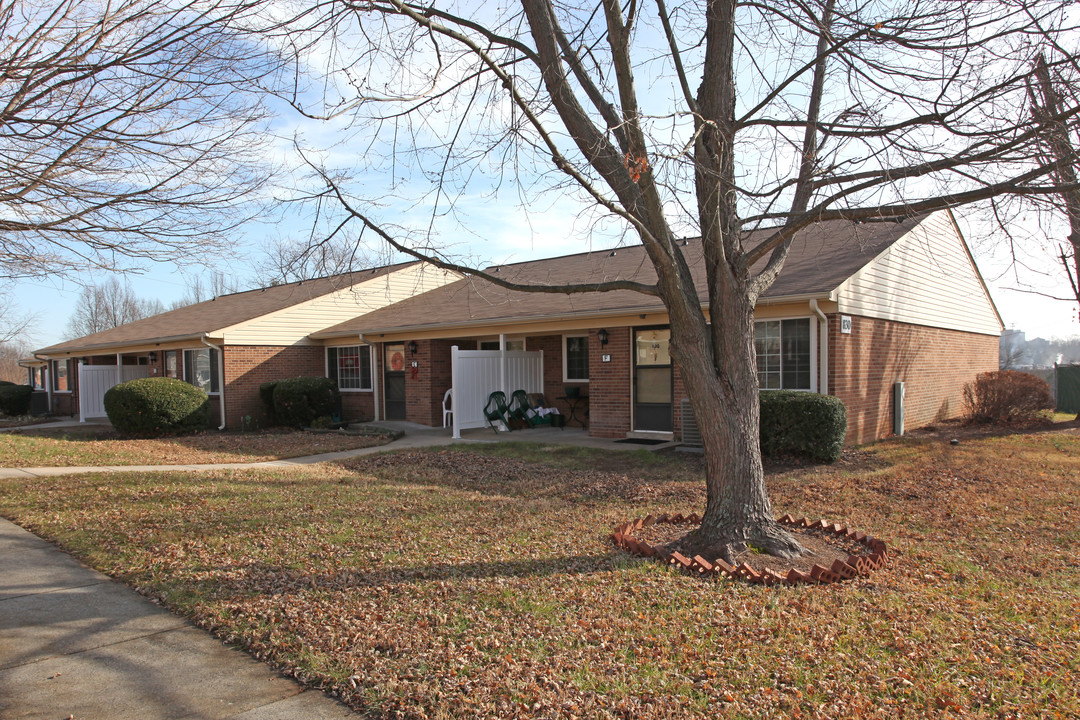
(1016, 352)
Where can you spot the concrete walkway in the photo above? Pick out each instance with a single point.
(74, 643)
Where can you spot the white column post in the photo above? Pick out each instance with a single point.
(502, 366)
(454, 367)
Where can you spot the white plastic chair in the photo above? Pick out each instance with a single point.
(447, 407)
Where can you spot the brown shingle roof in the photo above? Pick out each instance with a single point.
(821, 258)
(211, 315)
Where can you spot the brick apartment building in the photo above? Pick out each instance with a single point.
(857, 309)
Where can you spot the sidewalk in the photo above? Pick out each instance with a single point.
(74, 643)
(415, 436)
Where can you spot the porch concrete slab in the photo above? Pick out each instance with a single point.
(100, 650)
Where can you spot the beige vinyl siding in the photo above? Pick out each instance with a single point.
(291, 326)
(926, 278)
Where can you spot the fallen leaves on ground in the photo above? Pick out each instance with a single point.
(98, 447)
(462, 584)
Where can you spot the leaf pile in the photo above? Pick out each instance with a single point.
(461, 583)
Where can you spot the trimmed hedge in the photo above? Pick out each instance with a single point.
(157, 406)
(1006, 396)
(15, 399)
(298, 401)
(802, 423)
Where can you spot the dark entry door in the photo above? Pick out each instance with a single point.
(394, 364)
(652, 380)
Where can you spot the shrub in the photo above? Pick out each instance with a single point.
(298, 401)
(802, 423)
(266, 395)
(157, 406)
(15, 399)
(1006, 396)
(5, 382)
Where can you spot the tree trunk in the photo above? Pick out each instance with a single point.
(719, 385)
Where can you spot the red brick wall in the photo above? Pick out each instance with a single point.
(609, 384)
(424, 392)
(248, 366)
(933, 363)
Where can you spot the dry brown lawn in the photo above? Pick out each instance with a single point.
(94, 446)
(479, 582)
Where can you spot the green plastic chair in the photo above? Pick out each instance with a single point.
(519, 403)
(522, 407)
(496, 409)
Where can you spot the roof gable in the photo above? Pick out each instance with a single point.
(927, 277)
(209, 317)
(822, 257)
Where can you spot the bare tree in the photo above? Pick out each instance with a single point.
(108, 305)
(1012, 350)
(15, 322)
(769, 116)
(288, 260)
(128, 130)
(15, 335)
(1049, 110)
(204, 287)
(10, 354)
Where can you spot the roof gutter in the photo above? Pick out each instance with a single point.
(804, 297)
(221, 377)
(823, 344)
(89, 349)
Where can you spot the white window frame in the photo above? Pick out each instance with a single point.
(213, 368)
(371, 367)
(813, 351)
(565, 378)
(67, 375)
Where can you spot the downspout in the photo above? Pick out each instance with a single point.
(375, 372)
(823, 344)
(221, 377)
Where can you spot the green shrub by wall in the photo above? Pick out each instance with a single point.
(298, 401)
(157, 406)
(15, 399)
(802, 423)
(266, 395)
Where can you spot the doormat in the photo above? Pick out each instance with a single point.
(642, 441)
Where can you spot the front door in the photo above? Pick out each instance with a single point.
(652, 380)
(394, 364)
